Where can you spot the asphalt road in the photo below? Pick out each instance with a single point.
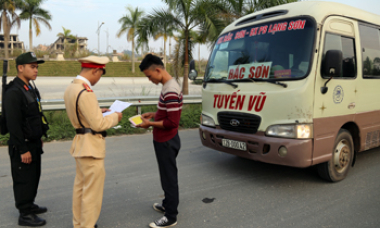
(247, 193)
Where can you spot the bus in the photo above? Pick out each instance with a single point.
(295, 85)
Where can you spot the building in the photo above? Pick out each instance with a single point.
(59, 44)
(14, 43)
(42, 47)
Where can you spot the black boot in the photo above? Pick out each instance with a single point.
(37, 209)
(30, 220)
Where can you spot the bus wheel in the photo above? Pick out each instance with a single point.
(337, 168)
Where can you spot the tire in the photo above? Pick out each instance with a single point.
(341, 161)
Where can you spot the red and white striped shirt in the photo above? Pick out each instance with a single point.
(169, 110)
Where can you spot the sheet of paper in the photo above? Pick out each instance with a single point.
(117, 106)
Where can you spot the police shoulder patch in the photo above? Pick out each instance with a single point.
(87, 87)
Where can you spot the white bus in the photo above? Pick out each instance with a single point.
(295, 85)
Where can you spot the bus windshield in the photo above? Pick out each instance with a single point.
(271, 51)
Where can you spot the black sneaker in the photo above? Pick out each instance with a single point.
(158, 207)
(30, 220)
(163, 222)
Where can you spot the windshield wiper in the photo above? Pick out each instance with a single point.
(257, 80)
(219, 80)
(208, 73)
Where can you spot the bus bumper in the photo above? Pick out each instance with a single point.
(260, 147)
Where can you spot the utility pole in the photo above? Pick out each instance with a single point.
(98, 31)
(107, 39)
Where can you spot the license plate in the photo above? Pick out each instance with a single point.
(234, 144)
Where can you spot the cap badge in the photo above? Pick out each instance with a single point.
(33, 55)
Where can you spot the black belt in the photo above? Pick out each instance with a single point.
(89, 130)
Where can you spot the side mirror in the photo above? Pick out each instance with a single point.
(332, 65)
(192, 72)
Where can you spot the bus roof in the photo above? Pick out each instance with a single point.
(319, 10)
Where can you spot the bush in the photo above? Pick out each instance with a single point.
(190, 116)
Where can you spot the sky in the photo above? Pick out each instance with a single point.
(82, 17)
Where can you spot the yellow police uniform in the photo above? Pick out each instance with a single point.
(88, 149)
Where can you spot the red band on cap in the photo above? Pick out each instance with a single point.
(93, 65)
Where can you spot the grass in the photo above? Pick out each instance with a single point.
(61, 128)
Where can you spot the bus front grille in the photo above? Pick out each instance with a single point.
(239, 122)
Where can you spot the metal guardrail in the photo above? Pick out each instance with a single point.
(59, 104)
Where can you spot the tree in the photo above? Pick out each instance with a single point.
(367, 66)
(200, 38)
(180, 52)
(188, 15)
(7, 20)
(66, 35)
(30, 10)
(144, 31)
(234, 9)
(162, 26)
(129, 25)
(264, 4)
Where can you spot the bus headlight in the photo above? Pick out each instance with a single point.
(207, 121)
(297, 131)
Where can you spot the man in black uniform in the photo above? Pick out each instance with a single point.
(26, 125)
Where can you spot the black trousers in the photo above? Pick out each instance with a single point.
(26, 177)
(166, 154)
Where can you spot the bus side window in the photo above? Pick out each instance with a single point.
(347, 46)
(370, 41)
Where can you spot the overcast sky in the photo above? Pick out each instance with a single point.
(83, 16)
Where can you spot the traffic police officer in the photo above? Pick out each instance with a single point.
(88, 147)
(26, 125)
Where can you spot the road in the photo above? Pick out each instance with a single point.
(54, 87)
(247, 193)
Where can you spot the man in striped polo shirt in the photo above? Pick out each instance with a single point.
(165, 136)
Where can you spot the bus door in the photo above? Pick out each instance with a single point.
(336, 106)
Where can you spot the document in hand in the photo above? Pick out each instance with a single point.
(135, 120)
(117, 106)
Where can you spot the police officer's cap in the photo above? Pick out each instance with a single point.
(26, 58)
(94, 62)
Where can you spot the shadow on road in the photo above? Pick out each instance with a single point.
(258, 171)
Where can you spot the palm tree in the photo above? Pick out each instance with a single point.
(188, 15)
(162, 26)
(66, 35)
(31, 11)
(170, 45)
(129, 24)
(144, 31)
(7, 20)
(200, 38)
(234, 9)
(180, 51)
(264, 4)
